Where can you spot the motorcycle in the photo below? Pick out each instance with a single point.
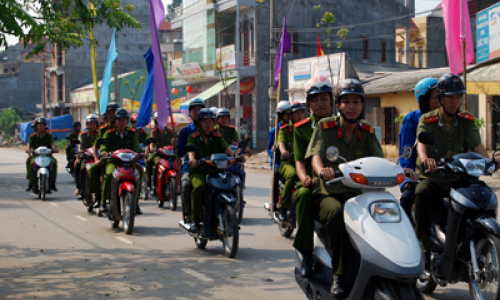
(125, 183)
(220, 201)
(166, 177)
(236, 170)
(88, 200)
(382, 251)
(465, 245)
(71, 163)
(43, 166)
(287, 225)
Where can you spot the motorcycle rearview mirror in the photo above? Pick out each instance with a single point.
(332, 154)
(102, 141)
(406, 153)
(76, 141)
(191, 148)
(426, 138)
(243, 143)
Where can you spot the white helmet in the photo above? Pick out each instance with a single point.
(318, 84)
(283, 107)
(214, 109)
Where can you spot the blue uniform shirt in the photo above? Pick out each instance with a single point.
(183, 137)
(408, 136)
(270, 148)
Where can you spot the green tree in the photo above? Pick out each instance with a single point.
(64, 22)
(8, 120)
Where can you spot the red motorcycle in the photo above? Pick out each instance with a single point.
(87, 196)
(166, 177)
(125, 182)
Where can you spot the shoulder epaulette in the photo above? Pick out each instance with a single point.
(429, 120)
(284, 126)
(85, 132)
(104, 126)
(131, 129)
(195, 135)
(231, 126)
(305, 121)
(367, 127)
(329, 124)
(466, 116)
(33, 134)
(110, 130)
(216, 134)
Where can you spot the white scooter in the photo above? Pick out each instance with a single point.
(383, 258)
(42, 167)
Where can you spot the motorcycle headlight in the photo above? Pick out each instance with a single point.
(385, 212)
(43, 151)
(474, 167)
(221, 164)
(126, 157)
(42, 161)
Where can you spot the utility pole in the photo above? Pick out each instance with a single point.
(238, 52)
(42, 78)
(117, 88)
(272, 53)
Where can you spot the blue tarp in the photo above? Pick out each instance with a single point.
(61, 127)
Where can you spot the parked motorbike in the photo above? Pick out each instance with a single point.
(382, 255)
(465, 245)
(43, 166)
(287, 225)
(125, 183)
(220, 201)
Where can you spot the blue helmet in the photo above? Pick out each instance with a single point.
(424, 86)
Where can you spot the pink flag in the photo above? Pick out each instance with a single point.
(457, 26)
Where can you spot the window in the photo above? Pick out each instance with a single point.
(400, 55)
(295, 42)
(365, 48)
(60, 88)
(383, 51)
(6, 70)
(420, 57)
(13, 69)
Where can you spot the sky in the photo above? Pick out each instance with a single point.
(424, 5)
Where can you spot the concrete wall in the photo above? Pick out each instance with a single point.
(131, 45)
(436, 50)
(404, 102)
(23, 91)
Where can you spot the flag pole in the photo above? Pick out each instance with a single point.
(276, 148)
(465, 70)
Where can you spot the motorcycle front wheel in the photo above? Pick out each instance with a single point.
(173, 194)
(200, 243)
(128, 211)
(231, 235)
(43, 187)
(488, 256)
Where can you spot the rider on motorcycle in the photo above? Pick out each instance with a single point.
(87, 140)
(121, 137)
(320, 102)
(425, 92)
(208, 142)
(195, 106)
(110, 114)
(70, 149)
(142, 135)
(287, 167)
(38, 139)
(163, 137)
(455, 132)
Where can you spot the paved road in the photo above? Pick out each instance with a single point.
(56, 250)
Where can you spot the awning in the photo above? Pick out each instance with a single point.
(215, 89)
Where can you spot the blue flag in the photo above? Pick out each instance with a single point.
(144, 114)
(106, 78)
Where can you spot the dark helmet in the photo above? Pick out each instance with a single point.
(40, 120)
(349, 86)
(450, 84)
(121, 113)
(205, 113)
(223, 112)
(91, 118)
(112, 106)
(316, 85)
(196, 102)
(77, 123)
(104, 116)
(296, 106)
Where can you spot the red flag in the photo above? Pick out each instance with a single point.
(319, 51)
(457, 25)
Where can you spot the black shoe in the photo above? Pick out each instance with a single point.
(138, 210)
(103, 208)
(53, 187)
(195, 227)
(282, 214)
(30, 186)
(306, 266)
(96, 204)
(337, 289)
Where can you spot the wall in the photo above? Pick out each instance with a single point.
(23, 91)
(404, 102)
(436, 51)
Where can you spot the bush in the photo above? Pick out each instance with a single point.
(62, 144)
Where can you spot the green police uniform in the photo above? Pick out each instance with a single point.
(96, 171)
(162, 140)
(70, 150)
(216, 144)
(36, 141)
(230, 135)
(114, 142)
(142, 135)
(462, 137)
(329, 136)
(105, 128)
(287, 165)
(86, 141)
(304, 206)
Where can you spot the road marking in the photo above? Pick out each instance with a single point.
(126, 241)
(53, 204)
(253, 202)
(197, 275)
(81, 218)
